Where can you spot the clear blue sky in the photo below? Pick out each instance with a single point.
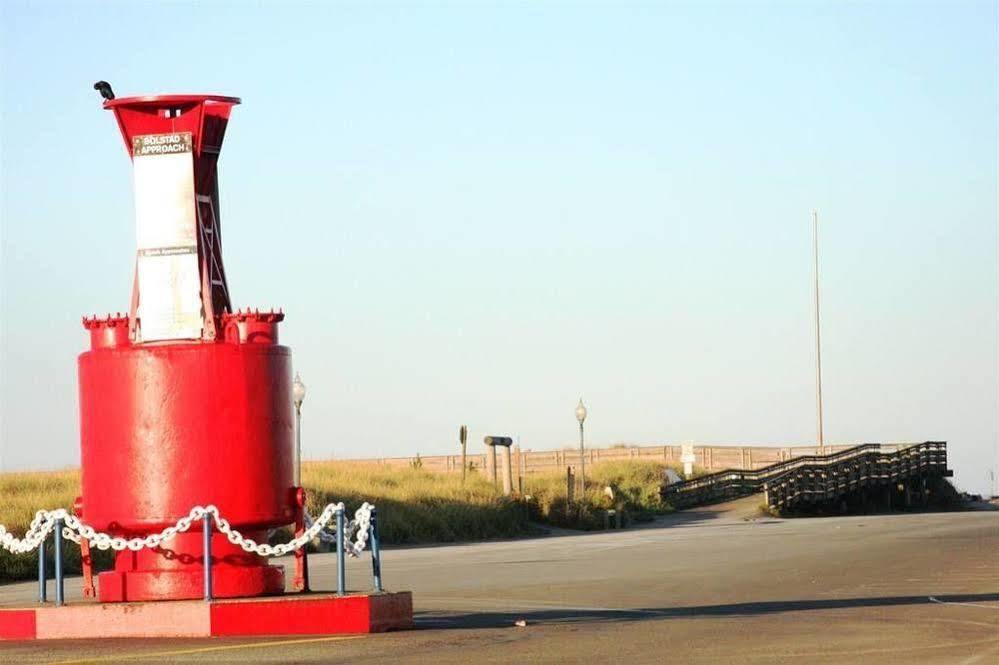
(477, 213)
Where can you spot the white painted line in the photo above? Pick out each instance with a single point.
(946, 602)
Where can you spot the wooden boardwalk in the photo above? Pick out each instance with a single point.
(821, 478)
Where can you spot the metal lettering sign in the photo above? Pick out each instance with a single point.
(169, 280)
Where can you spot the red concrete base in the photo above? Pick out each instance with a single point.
(300, 614)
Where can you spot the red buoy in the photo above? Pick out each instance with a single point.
(184, 402)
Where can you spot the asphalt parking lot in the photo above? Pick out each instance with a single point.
(702, 586)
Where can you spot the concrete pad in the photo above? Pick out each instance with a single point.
(305, 614)
(167, 619)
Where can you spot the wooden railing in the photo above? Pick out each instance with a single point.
(527, 462)
(813, 477)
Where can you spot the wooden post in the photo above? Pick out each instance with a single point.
(570, 487)
(507, 470)
(520, 475)
(491, 464)
(463, 438)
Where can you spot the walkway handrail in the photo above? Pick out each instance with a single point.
(774, 473)
(759, 474)
(882, 455)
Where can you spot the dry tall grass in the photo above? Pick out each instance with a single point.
(417, 506)
(635, 487)
(21, 495)
(414, 506)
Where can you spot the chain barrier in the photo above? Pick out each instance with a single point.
(76, 530)
(329, 536)
(324, 535)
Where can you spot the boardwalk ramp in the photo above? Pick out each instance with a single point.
(815, 479)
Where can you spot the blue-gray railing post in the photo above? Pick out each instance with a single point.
(57, 544)
(42, 581)
(341, 572)
(376, 556)
(207, 547)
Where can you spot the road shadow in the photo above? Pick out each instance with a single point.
(500, 619)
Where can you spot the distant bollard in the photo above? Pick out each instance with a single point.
(341, 570)
(57, 544)
(376, 554)
(42, 574)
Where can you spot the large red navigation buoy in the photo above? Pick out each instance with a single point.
(184, 402)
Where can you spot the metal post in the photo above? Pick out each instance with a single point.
(301, 582)
(42, 575)
(376, 554)
(582, 464)
(298, 445)
(207, 548)
(818, 338)
(57, 543)
(87, 564)
(341, 572)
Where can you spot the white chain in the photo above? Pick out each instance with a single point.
(38, 531)
(361, 524)
(329, 536)
(76, 530)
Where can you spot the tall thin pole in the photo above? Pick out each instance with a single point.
(818, 336)
(581, 416)
(298, 445)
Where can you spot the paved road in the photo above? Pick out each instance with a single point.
(703, 586)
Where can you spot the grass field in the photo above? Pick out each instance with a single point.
(21, 494)
(414, 506)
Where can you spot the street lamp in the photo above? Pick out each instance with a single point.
(581, 416)
(298, 396)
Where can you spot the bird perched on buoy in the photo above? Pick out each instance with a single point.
(104, 88)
